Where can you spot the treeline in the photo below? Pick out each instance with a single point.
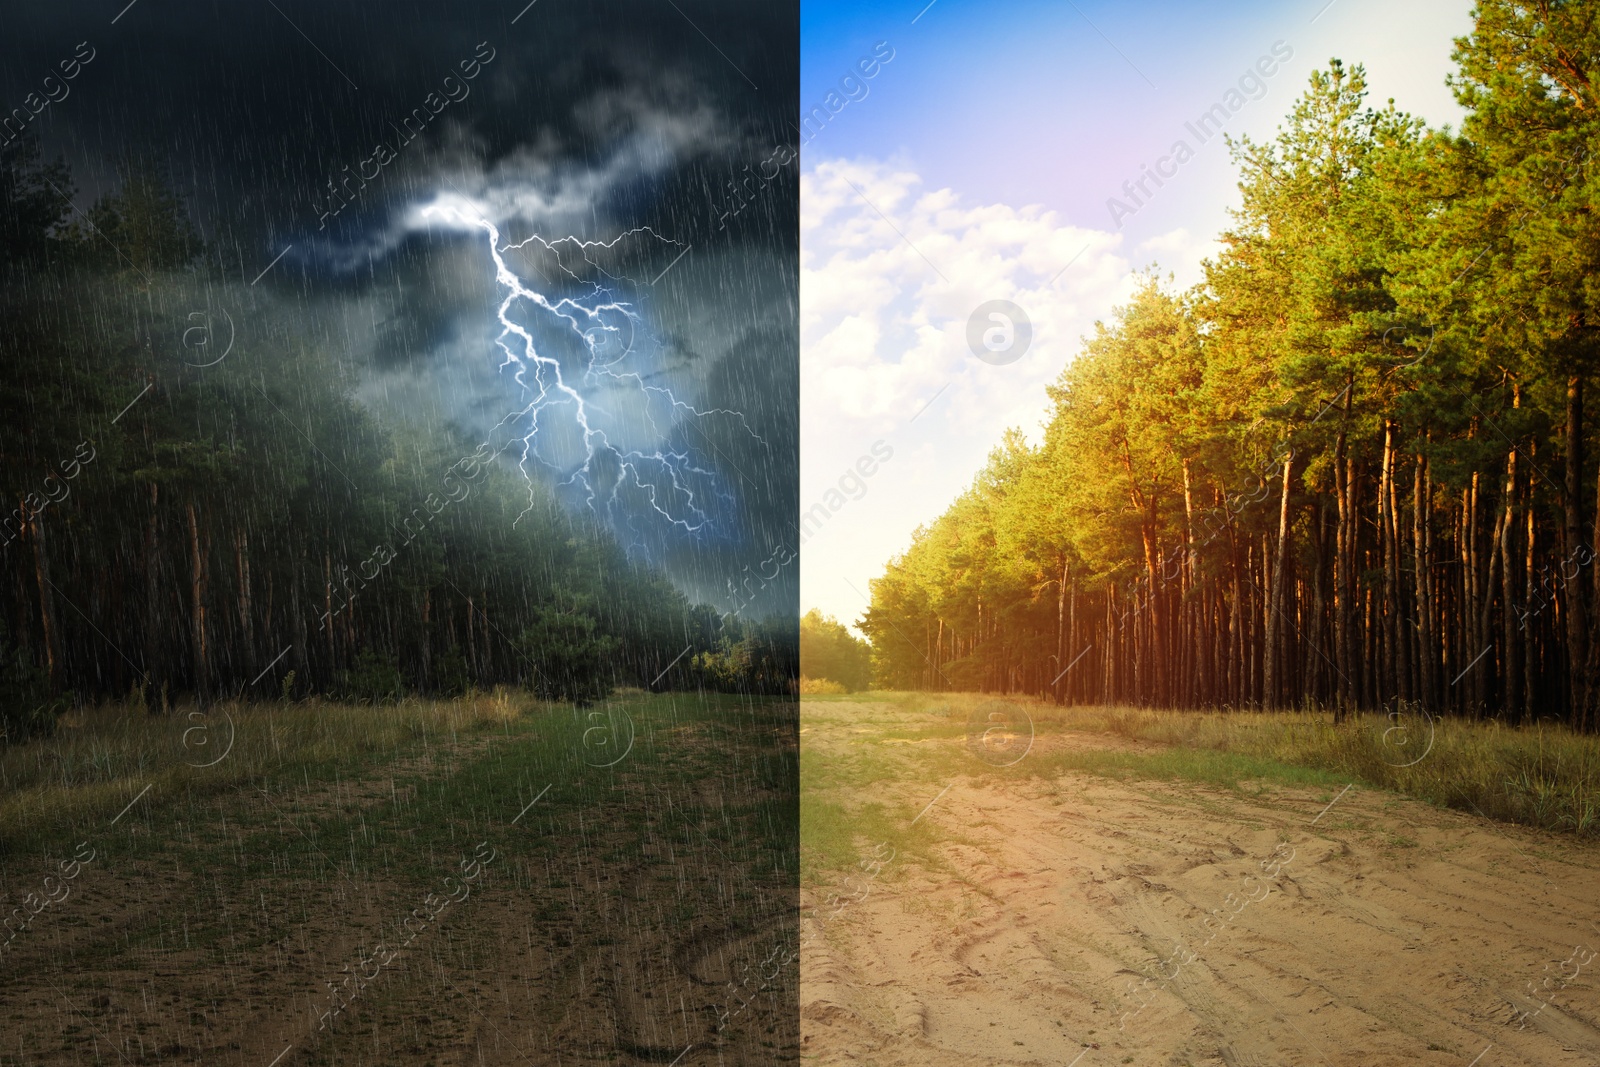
(831, 653)
(1353, 466)
(197, 505)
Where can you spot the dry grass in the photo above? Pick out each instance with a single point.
(1543, 775)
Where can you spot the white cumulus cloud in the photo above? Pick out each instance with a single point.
(890, 273)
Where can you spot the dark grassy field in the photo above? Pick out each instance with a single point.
(457, 882)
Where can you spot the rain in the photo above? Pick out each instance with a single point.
(398, 635)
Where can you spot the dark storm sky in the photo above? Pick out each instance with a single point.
(590, 119)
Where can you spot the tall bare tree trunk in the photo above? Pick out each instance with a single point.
(1397, 597)
(197, 607)
(154, 630)
(1473, 643)
(1153, 677)
(1512, 667)
(1237, 686)
(1577, 616)
(1480, 672)
(427, 637)
(1201, 691)
(241, 563)
(1249, 632)
(327, 600)
(1315, 685)
(47, 600)
(1388, 611)
(1072, 630)
(1343, 581)
(1594, 534)
(1189, 636)
(1529, 542)
(1058, 684)
(1272, 682)
(1422, 545)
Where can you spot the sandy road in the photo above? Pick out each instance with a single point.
(1077, 919)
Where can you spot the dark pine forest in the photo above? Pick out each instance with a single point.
(246, 528)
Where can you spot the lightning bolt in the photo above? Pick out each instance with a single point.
(622, 485)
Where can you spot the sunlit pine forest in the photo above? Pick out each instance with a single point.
(1353, 466)
(177, 529)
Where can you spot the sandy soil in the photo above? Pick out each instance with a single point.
(1076, 919)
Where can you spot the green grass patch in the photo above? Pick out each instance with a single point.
(1543, 775)
(1224, 770)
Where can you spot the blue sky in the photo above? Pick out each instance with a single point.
(978, 163)
(1057, 103)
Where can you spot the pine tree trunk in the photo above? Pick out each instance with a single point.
(1236, 671)
(1512, 662)
(1422, 545)
(1343, 583)
(1271, 684)
(1152, 689)
(296, 612)
(327, 601)
(1315, 687)
(1189, 638)
(154, 658)
(197, 608)
(1253, 624)
(1058, 684)
(1529, 643)
(1072, 629)
(1474, 634)
(1390, 661)
(47, 600)
(241, 561)
(487, 660)
(427, 639)
(1486, 659)
(1577, 617)
(1397, 596)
